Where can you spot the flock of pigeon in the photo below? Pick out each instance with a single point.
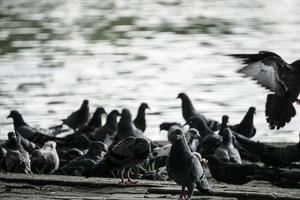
(97, 149)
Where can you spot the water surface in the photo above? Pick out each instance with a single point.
(116, 53)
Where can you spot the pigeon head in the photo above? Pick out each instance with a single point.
(227, 136)
(50, 145)
(176, 135)
(194, 133)
(296, 65)
(225, 119)
(144, 106)
(100, 111)
(126, 115)
(14, 141)
(166, 125)
(97, 147)
(252, 110)
(182, 96)
(85, 103)
(115, 113)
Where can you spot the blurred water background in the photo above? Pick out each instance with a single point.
(119, 53)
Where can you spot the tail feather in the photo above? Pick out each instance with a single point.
(279, 111)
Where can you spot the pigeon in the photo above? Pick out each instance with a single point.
(271, 155)
(226, 151)
(78, 118)
(170, 127)
(188, 111)
(94, 123)
(86, 162)
(273, 73)
(193, 138)
(246, 127)
(45, 160)
(140, 120)
(30, 133)
(107, 132)
(17, 158)
(209, 140)
(123, 156)
(232, 173)
(185, 168)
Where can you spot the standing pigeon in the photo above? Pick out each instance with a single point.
(30, 133)
(107, 132)
(140, 120)
(17, 158)
(45, 160)
(184, 167)
(78, 118)
(246, 127)
(188, 111)
(226, 151)
(94, 123)
(86, 162)
(273, 73)
(123, 156)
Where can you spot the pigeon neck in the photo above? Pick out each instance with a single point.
(247, 120)
(188, 108)
(111, 123)
(18, 122)
(180, 147)
(96, 121)
(223, 126)
(140, 115)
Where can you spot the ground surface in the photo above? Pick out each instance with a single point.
(34, 187)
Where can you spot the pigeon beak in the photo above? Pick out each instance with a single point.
(9, 116)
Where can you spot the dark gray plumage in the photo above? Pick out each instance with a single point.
(30, 133)
(188, 111)
(226, 151)
(184, 167)
(246, 127)
(193, 138)
(45, 160)
(107, 132)
(17, 158)
(94, 123)
(123, 156)
(140, 119)
(86, 162)
(78, 118)
(273, 73)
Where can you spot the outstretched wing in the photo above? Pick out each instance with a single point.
(266, 68)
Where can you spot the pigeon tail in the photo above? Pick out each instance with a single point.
(279, 111)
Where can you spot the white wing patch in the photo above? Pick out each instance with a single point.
(265, 75)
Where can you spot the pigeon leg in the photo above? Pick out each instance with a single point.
(122, 177)
(130, 181)
(190, 191)
(182, 195)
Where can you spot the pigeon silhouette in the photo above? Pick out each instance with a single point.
(140, 119)
(185, 168)
(94, 123)
(78, 118)
(273, 73)
(86, 162)
(30, 133)
(107, 132)
(246, 127)
(17, 158)
(226, 151)
(45, 160)
(123, 156)
(188, 111)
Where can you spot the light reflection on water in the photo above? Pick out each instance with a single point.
(119, 53)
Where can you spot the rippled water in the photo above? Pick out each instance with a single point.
(117, 53)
